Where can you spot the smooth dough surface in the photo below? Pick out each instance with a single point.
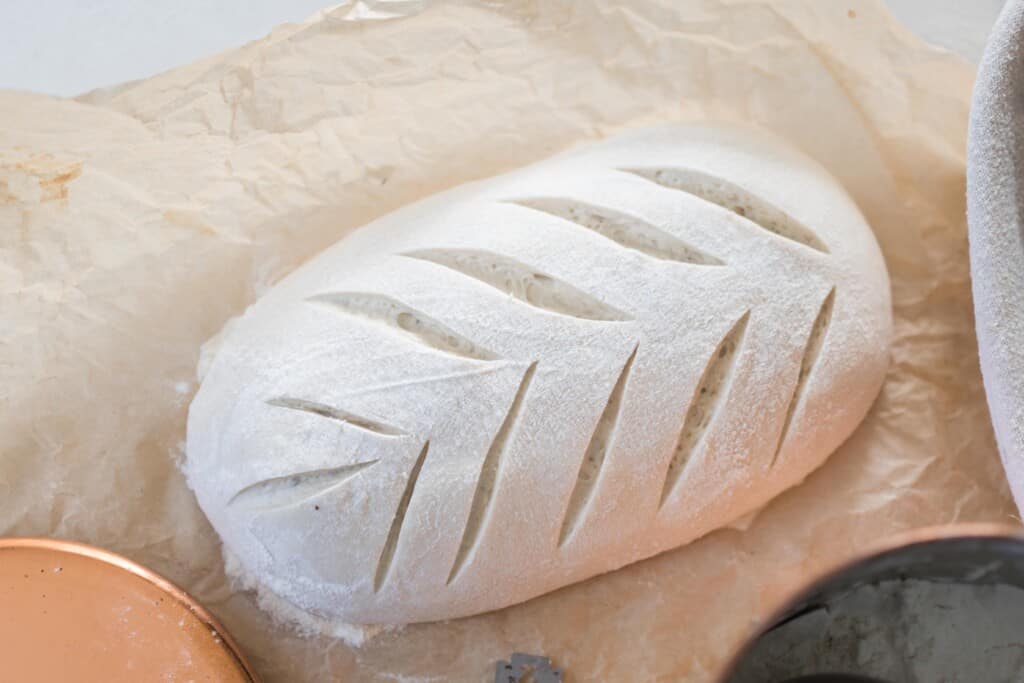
(530, 380)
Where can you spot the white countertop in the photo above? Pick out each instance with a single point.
(65, 47)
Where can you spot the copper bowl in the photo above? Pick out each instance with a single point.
(89, 612)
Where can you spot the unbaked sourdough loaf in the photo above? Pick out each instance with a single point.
(526, 381)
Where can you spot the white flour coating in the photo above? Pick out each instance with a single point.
(299, 620)
(910, 631)
(527, 381)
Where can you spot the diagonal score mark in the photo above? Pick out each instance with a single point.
(707, 398)
(522, 282)
(330, 412)
(293, 489)
(597, 450)
(484, 493)
(404, 320)
(734, 198)
(815, 339)
(627, 231)
(394, 533)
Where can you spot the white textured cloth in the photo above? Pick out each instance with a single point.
(995, 166)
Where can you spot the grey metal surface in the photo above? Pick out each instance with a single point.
(524, 668)
(896, 635)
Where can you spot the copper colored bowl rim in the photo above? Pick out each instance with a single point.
(111, 558)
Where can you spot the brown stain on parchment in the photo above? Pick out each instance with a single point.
(188, 219)
(51, 175)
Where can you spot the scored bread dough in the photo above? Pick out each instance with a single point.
(530, 380)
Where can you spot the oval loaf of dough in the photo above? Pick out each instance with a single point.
(527, 381)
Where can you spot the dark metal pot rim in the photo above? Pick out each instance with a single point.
(874, 553)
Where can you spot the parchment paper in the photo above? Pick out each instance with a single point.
(134, 222)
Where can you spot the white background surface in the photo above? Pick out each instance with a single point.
(66, 47)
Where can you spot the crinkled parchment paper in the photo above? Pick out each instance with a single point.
(134, 222)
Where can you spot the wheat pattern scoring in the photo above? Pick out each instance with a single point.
(294, 489)
(628, 231)
(331, 412)
(815, 339)
(597, 450)
(394, 533)
(401, 318)
(708, 397)
(487, 481)
(731, 197)
(521, 282)
(545, 293)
